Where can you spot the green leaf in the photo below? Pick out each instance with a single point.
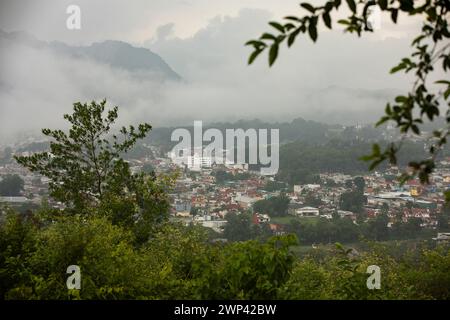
(255, 43)
(339, 246)
(327, 19)
(447, 93)
(366, 158)
(383, 4)
(376, 149)
(312, 30)
(277, 26)
(401, 99)
(418, 39)
(381, 121)
(292, 18)
(289, 26)
(343, 21)
(308, 7)
(375, 164)
(268, 36)
(352, 5)
(395, 69)
(447, 195)
(273, 53)
(394, 15)
(292, 37)
(253, 56)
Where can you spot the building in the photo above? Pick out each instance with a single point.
(307, 212)
(245, 201)
(14, 199)
(442, 237)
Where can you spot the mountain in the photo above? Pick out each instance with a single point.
(117, 54)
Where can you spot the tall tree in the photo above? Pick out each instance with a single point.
(11, 185)
(85, 165)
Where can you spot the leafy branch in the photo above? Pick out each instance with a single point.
(431, 52)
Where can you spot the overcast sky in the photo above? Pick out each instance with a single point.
(341, 79)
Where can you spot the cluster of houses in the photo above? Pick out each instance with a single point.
(198, 198)
(199, 195)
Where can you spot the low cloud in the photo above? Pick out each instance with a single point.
(340, 79)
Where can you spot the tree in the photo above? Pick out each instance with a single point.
(359, 184)
(385, 208)
(377, 228)
(413, 227)
(239, 227)
(312, 200)
(17, 242)
(274, 206)
(272, 186)
(110, 267)
(84, 165)
(431, 53)
(194, 211)
(348, 184)
(443, 218)
(222, 176)
(148, 168)
(352, 201)
(11, 185)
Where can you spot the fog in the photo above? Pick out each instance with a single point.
(340, 79)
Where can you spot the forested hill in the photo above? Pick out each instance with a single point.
(296, 130)
(301, 162)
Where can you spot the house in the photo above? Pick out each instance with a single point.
(297, 189)
(346, 214)
(245, 201)
(14, 199)
(182, 206)
(260, 218)
(307, 212)
(442, 237)
(277, 229)
(183, 214)
(216, 225)
(312, 187)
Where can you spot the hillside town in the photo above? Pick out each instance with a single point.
(204, 195)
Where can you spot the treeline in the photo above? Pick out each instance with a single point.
(344, 230)
(297, 130)
(242, 227)
(301, 162)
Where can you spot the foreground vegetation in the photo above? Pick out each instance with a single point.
(179, 262)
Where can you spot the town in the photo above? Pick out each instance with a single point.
(207, 194)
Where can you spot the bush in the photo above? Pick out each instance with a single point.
(110, 267)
